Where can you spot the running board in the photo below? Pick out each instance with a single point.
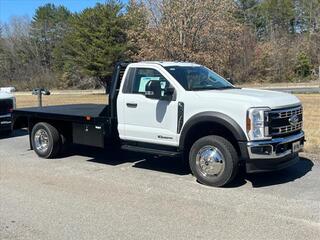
(150, 151)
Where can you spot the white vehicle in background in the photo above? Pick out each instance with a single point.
(7, 104)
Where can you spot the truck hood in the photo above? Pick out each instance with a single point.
(252, 97)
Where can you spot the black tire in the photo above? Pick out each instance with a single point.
(54, 140)
(228, 166)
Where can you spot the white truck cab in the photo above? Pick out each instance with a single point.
(199, 111)
(7, 104)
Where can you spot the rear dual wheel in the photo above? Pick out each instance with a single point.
(213, 161)
(46, 140)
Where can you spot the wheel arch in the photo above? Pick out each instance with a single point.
(207, 123)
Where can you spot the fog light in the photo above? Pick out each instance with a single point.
(263, 150)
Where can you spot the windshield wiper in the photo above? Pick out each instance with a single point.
(226, 87)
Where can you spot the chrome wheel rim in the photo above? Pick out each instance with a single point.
(41, 140)
(210, 161)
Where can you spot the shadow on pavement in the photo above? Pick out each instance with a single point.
(175, 166)
(265, 179)
(16, 133)
(139, 160)
(290, 174)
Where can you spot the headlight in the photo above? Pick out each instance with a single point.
(256, 123)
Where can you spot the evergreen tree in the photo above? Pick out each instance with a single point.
(48, 29)
(98, 40)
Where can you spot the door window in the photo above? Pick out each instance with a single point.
(143, 75)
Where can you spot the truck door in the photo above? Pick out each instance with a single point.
(143, 119)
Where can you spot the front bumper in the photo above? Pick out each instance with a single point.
(274, 148)
(274, 154)
(5, 122)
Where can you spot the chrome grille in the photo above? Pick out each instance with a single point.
(287, 113)
(289, 128)
(280, 123)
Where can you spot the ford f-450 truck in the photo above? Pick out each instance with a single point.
(178, 109)
(7, 104)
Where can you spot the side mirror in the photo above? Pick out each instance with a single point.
(155, 91)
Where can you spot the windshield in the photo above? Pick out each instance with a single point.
(198, 78)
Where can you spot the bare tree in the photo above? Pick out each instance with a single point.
(191, 30)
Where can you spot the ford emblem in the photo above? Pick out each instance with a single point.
(294, 120)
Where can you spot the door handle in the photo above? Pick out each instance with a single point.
(132, 105)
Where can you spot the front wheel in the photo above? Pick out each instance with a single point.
(45, 139)
(213, 161)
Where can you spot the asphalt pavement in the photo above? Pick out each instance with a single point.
(94, 194)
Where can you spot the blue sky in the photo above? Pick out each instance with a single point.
(9, 8)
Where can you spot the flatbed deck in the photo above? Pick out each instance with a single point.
(93, 110)
(86, 124)
(73, 112)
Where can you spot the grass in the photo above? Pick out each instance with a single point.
(60, 99)
(311, 124)
(311, 106)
